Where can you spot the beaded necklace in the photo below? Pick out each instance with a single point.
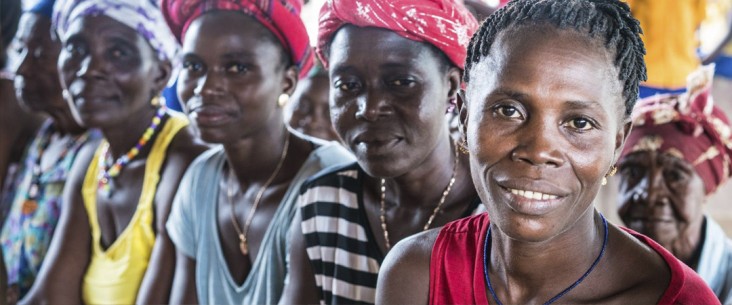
(44, 140)
(486, 254)
(110, 168)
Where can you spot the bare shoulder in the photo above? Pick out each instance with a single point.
(405, 273)
(635, 271)
(185, 147)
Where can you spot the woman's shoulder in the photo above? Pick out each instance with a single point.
(405, 274)
(643, 270)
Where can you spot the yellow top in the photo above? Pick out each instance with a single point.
(114, 275)
(670, 35)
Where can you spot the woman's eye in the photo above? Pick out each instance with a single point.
(346, 86)
(117, 53)
(580, 124)
(509, 111)
(236, 68)
(673, 175)
(191, 66)
(402, 82)
(75, 49)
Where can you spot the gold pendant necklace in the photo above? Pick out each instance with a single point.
(434, 212)
(243, 245)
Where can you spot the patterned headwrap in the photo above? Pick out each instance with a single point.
(281, 17)
(446, 24)
(43, 8)
(687, 126)
(142, 16)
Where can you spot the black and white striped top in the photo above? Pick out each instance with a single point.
(339, 240)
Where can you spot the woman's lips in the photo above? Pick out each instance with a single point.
(531, 202)
(210, 116)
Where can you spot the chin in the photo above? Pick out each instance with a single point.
(212, 136)
(526, 229)
(384, 167)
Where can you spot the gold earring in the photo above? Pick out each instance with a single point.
(463, 147)
(282, 100)
(156, 101)
(613, 170)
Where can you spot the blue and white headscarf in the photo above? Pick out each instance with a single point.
(143, 16)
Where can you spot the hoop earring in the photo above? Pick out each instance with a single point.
(67, 96)
(613, 171)
(282, 100)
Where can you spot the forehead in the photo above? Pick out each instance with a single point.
(32, 25)
(543, 59)
(100, 28)
(227, 29)
(375, 47)
(652, 158)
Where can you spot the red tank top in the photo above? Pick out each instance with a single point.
(456, 267)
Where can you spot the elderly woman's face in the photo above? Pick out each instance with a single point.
(388, 98)
(110, 71)
(660, 195)
(544, 122)
(232, 76)
(37, 82)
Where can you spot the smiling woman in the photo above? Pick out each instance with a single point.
(678, 154)
(551, 84)
(111, 246)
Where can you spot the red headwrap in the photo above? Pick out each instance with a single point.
(446, 24)
(687, 126)
(281, 17)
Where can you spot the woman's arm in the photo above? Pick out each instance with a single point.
(184, 282)
(60, 279)
(158, 280)
(300, 287)
(404, 277)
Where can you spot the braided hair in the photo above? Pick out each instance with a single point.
(601, 19)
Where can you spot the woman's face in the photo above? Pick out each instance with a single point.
(309, 108)
(37, 82)
(543, 123)
(109, 70)
(661, 195)
(233, 74)
(388, 98)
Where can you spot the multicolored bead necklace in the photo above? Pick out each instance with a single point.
(44, 140)
(110, 168)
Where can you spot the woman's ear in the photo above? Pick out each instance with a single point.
(289, 79)
(454, 78)
(462, 108)
(620, 139)
(163, 73)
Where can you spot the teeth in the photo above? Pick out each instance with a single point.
(533, 195)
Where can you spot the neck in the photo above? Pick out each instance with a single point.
(64, 121)
(124, 136)
(425, 184)
(254, 157)
(687, 247)
(524, 269)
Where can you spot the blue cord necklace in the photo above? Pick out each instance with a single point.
(486, 253)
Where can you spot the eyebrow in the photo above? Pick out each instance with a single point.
(238, 54)
(579, 104)
(508, 92)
